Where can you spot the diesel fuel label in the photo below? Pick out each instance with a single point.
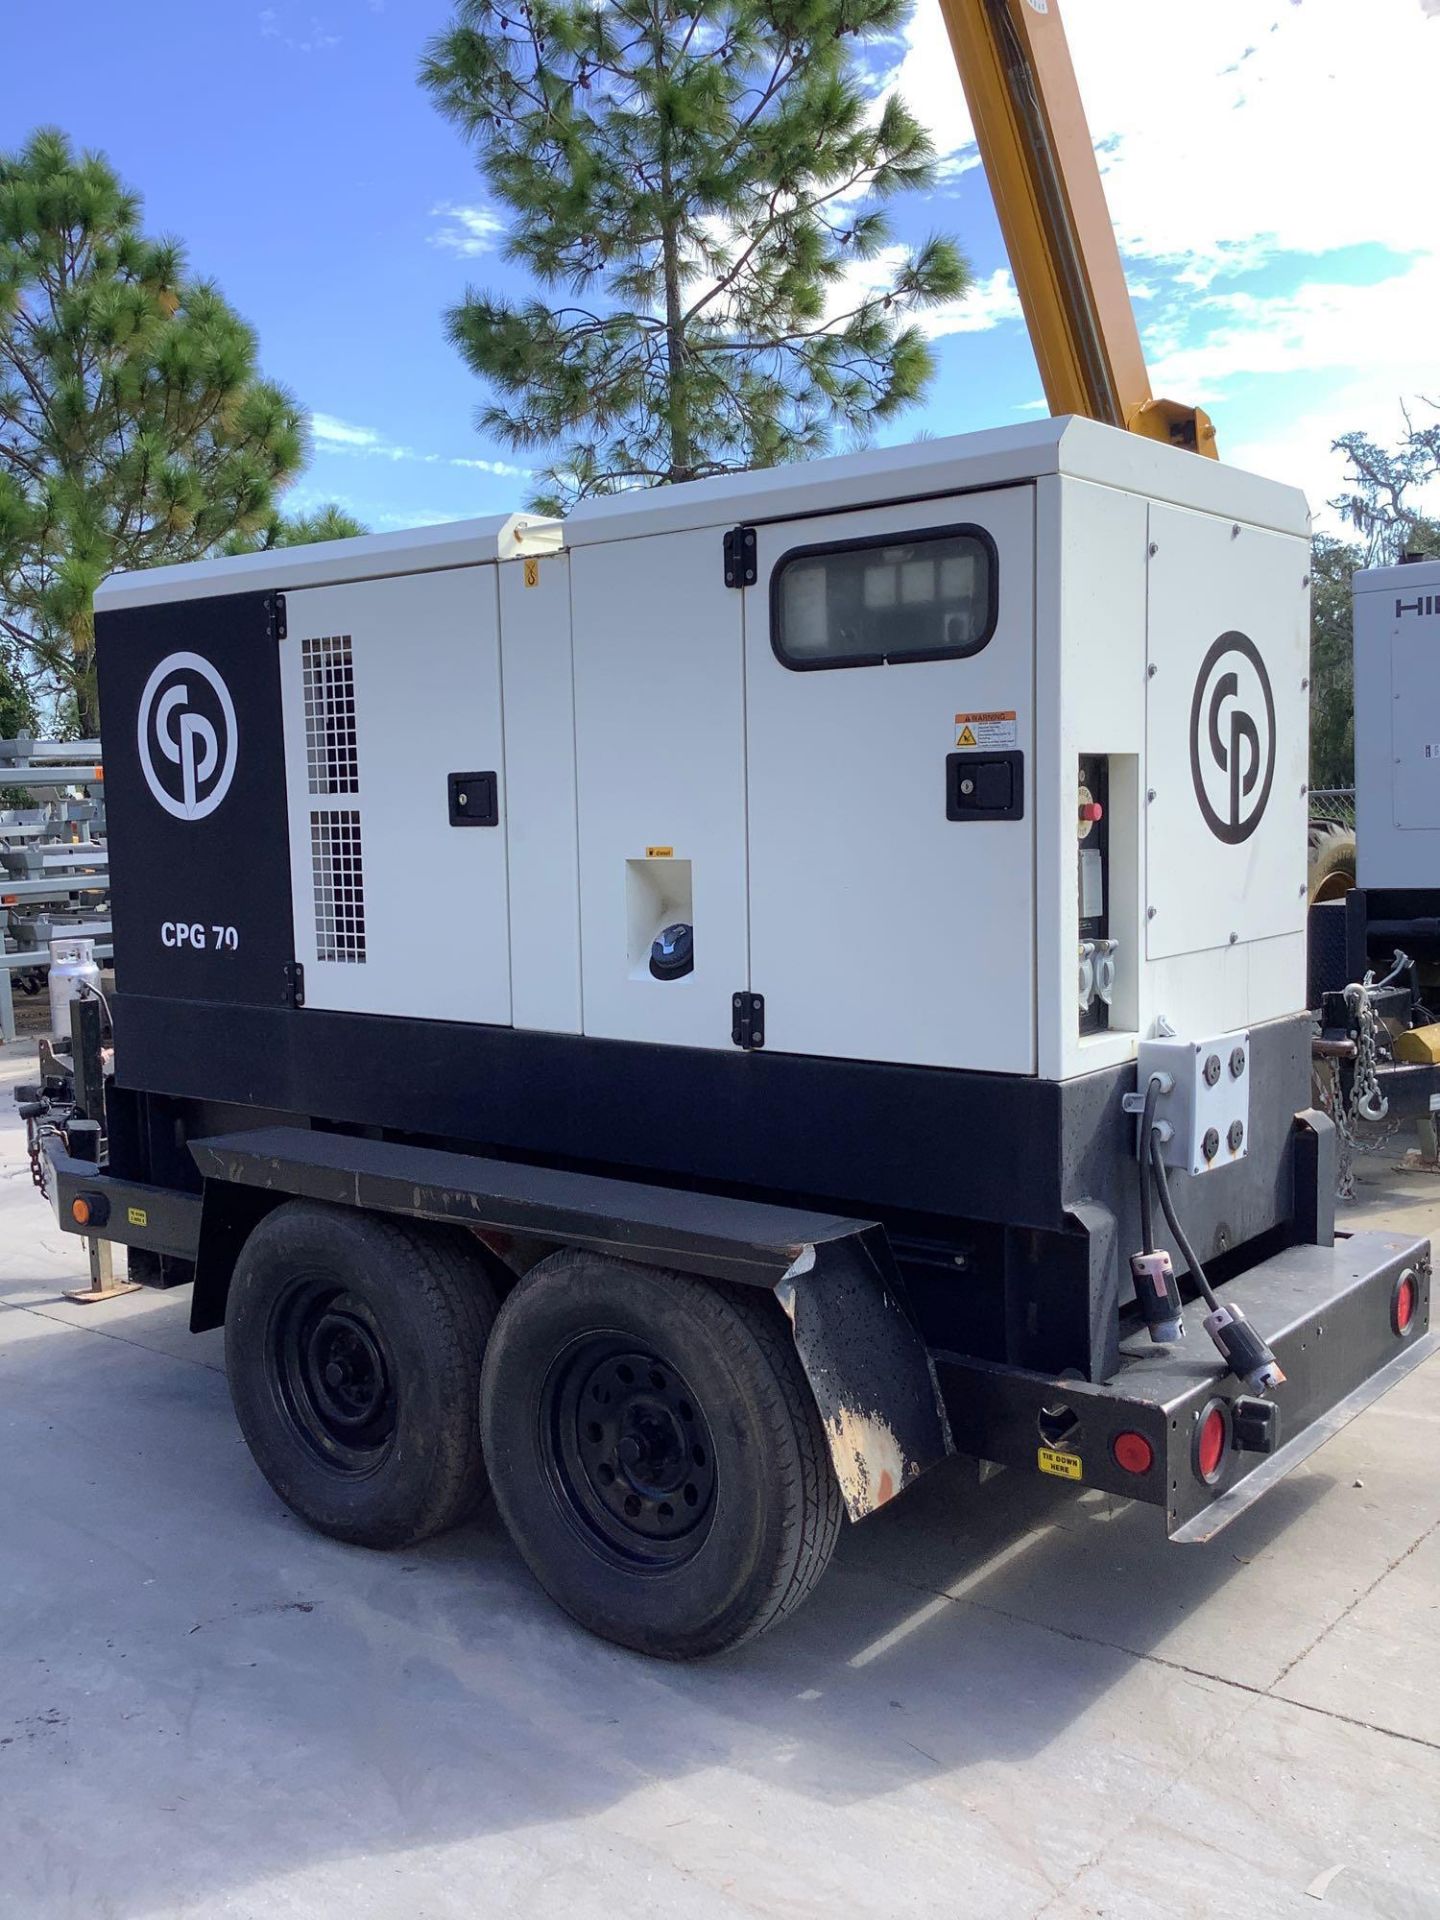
(985, 730)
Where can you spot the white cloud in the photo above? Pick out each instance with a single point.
(469, 230)
(990, 301)
(1284, 143)
(1301, 452)
(1258, 130)
(343, 437)
(501, 467)
(419, 517)
(314, 38)
(927, 80)
(332, 433)
(1322, 327)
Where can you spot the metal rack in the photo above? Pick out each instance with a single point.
(54, 863)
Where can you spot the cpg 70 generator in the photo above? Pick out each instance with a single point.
(692, 1016)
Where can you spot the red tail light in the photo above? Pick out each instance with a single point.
(1404, 1301)
(1133, 1452)
(1212, 1438)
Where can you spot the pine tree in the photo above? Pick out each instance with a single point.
(134, 428)
(710, 179)
(330, 522)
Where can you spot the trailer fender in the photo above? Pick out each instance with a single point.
(834, 1278)
(867, 1366)
(229, 1214)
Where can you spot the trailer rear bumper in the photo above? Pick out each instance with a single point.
(1328, 1313)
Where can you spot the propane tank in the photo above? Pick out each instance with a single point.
(72, 971)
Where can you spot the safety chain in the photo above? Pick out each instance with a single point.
(37, 1158)
(1367, 1102)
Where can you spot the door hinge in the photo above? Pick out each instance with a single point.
(747, 1024)
(295, 981)
(740, 557)
(275, 615)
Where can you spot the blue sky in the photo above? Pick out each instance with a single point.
(1285, 276)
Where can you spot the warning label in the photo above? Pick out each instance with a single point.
(985, 730)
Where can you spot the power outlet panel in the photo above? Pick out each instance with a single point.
(1208, 1107)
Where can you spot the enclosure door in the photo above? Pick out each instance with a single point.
(890, 695)
(392, 710)
(660, 774)
(1227, 728)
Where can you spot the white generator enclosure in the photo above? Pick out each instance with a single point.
(984, 754)
(1397, 725)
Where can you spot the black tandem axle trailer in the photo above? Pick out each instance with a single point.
(689, 1388)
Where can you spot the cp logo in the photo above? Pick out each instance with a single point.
(1232, 738)
(187, 718)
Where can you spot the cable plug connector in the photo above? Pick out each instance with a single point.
(1243, 1350)
(1157, 1296)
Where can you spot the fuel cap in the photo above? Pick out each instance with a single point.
(672, 952)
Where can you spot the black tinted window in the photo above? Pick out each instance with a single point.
(921, 597)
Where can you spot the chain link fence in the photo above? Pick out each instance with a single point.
(1332, 806)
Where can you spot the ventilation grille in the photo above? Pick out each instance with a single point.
(330, 714)
(339, 886)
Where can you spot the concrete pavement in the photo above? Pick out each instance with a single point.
(1003, 1702)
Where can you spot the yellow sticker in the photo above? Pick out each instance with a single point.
(1065, 1466)
(659, 853)
(137, 1216)
(965, 738)
(532, 571)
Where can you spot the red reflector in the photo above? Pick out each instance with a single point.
(1405, 1299)
(1133, 1452)
(1210, 1447)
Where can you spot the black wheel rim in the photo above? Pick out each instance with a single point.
(332, 1375)
(628, 1451)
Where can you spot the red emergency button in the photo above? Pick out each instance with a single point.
(1091, 810)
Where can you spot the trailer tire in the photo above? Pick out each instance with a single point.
(353, 1346)
(657, 1454)
(1332, 862)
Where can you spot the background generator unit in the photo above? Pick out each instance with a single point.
(859, 1016)
(1375, 946)
(1397, 770)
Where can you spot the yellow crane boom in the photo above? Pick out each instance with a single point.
(1015, 66)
